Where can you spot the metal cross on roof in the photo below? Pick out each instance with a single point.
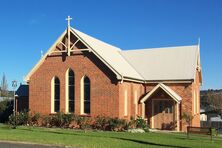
(69, 19)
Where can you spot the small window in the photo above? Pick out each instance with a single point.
(86, 95)
(56, 94)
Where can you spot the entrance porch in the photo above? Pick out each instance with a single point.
(161, 108)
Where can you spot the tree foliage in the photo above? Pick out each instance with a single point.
(188, 118)
(214, 101)
(6, 109)
(4, 86)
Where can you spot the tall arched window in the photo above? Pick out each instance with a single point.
(86, 97)
(71, 90)
(56, 94)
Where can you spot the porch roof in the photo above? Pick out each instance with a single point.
(166, 89)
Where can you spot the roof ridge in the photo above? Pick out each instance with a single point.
(119, 49)
(167, 47)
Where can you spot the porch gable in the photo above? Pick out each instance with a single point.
(166, 89)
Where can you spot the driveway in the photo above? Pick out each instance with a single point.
(12, 144)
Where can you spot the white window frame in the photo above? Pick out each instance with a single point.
(136, 102)
(52, 95)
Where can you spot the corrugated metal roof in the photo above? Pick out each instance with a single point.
(111, 55)
(22, 91)
(170, 63)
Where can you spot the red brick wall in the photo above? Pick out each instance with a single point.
(196, 90)
(130, 87)
(104, 86)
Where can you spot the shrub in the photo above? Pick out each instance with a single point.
(101, 123)
(6, 109)
(12, 121)
(34, 119)
(46, 121)
(21, 118)
(141, 123)
(132, 124)
(116, 124)
(60, 120)
(79, 122)
(84, 122)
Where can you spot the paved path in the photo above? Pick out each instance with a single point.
(10, 144)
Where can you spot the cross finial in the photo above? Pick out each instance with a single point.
(69, 19)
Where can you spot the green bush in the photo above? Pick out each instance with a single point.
(12, 120)
(79, 122)
(6, 109)
(84, 122)
(132, 123)
(140, 123)
(34, 119)
(61, 120)
(46, 121)
(21, 118)
(116, 124)
(57, 120)
(101, 123)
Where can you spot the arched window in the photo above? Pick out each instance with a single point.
(56, 94)
(86, 97)
(71, 90)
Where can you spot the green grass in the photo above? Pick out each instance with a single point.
(75, 138)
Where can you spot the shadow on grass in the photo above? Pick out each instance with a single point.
(118, 138)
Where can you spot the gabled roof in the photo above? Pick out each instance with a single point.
(166, 89)
(22, 91)
(144, 65)
(110, 54)
(169, 63)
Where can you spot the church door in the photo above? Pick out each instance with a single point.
(163, 114)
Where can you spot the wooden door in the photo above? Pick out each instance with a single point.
(163, 114)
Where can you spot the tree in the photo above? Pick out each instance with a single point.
(215, 101)
(6, 109)
(4, 86)
(188, 118)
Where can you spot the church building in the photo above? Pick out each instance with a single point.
(83, 75)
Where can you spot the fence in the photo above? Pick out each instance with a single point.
(214, 124)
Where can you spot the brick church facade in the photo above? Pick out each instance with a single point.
(85, 76)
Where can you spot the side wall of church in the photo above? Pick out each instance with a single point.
(129, 95)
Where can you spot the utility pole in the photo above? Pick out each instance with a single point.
(14, 85)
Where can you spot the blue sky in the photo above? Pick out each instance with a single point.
(27, 27)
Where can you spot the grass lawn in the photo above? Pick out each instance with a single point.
(67, 137)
